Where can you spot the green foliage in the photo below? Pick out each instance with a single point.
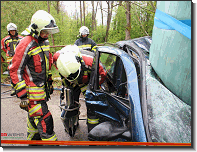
(99, 34)
(20, 13)
(118, 25)
(142, 21)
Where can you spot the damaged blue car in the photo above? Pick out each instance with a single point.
(133, 104)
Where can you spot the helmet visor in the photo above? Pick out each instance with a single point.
(51, 27)
(12, 29)
(51, 30)
(84, 32)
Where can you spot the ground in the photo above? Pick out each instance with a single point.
(14, 119)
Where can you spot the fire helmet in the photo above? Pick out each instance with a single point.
(67, 63)
(83, 31)
(41, 20)
(11, 26)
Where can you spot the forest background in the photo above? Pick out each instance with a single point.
(130, 19)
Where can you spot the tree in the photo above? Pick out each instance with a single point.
(94, 11)
(48, 6)
(109, 15)
(93, 18)
(84, 13)
(101, 11)
(80, 12)
(141, 15)
(58, 7)
(128, 17)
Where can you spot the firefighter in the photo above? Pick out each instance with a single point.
(31, 76)
(8, 43)
(74, 66)
(84, 42)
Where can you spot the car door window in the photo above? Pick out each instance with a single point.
(116, 81)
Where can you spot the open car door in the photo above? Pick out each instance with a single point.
(109, 105)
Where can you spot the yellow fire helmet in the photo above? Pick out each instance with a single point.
(41, 20)
(67, 64)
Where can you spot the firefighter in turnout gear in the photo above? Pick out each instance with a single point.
(8, 44)
(74, 66)
(84, 42)
(31, 76)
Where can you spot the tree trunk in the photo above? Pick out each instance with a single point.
(48, 4)
(128, 17)
(109, 15)
(84, 13)
(58, 7)
(147, 18)
(92, 16)
(95, 25)
(101, 12)
(80, 13)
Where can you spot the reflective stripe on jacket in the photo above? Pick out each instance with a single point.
(85, 44)
(29, 68)
(8, 45)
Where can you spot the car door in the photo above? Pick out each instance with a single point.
(108, 102)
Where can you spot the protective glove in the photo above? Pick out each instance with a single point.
(24, 104)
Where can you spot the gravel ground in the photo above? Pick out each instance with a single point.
(14, 119)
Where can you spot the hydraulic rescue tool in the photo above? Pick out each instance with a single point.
(70, 111)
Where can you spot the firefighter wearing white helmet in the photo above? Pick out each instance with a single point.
(83, 31)
(74, 66)
(11, 27)
(33, 84)
(84, 42)
(9, 43)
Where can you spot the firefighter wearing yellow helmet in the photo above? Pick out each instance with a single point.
(31, 76)
(74, 66)
(67, 63)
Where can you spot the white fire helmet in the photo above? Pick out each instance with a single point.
(83, 31)
(11, 26)
(41, 20)
(67, 64)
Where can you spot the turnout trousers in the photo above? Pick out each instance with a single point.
(40, 123)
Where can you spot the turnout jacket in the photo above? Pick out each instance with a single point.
(85, 43)
(8, 45)
(30, 69)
